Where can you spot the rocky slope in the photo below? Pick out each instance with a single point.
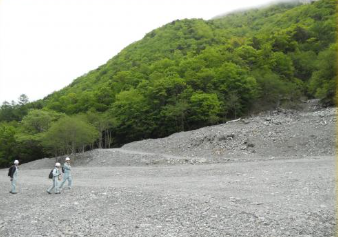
(269, 175)
(277, 134)
(281, 134)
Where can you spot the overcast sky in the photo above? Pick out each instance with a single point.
(46, 44)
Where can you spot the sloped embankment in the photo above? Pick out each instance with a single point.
(277, 134)
(280, 134)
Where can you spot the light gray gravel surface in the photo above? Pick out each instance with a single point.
(294, 197)
(269, 135)
(284, 134)
(271, 175)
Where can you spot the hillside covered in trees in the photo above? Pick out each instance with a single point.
(185, 75)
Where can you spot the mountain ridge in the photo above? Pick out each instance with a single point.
(185, 75)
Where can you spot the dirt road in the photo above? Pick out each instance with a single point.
(293, 197)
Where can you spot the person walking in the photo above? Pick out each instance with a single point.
(56, 179)
(13, 174)
(67, 173)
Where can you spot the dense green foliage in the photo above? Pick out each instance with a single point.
(184, 75)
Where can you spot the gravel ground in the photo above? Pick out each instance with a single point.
(283, 134)
(293, 197)
(276, 135)
(271, 175)
(280, 134)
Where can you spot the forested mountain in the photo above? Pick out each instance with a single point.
(185, 75)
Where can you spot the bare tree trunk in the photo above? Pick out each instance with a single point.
(100, 140)
(109, 139)
(182, 121)
(73, 148)
(106, 138)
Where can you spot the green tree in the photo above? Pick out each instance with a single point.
(7, 112)
(304, 64)
(248, 54)
(39, 121)
(204, 109)
(323, 82)
(166, 90)
(174, 117)
(282, 65)
(233, 104)
(8, 145)
(271, 89)
(69, 135)
(232, 79)
(131, 113)
(261, 58)
(23, 100)
(102, 122)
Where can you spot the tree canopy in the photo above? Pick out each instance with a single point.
(184, 75)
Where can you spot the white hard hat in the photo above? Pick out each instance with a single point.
(57, 164)
(16, 162)
(67, 158)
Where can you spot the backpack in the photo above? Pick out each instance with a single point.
(50, 176)
(10, 171)
(63, 169)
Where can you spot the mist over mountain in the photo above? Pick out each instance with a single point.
(271, 3)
